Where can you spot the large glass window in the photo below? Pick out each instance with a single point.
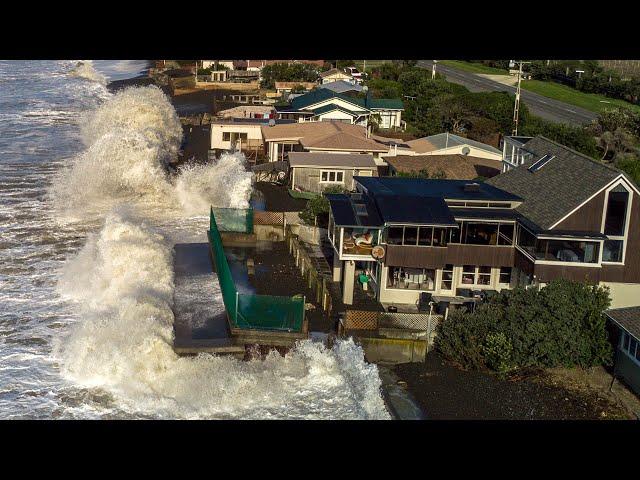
(567, 251)
(359, 241)
(527, 241)
(476, 275)
(411, 278)
(394, 235)
(481, 233)
(616, 215)
(505, 234)
(439, 237)
(612, 251)
(424, 236)
(410, 235)
(614, 224)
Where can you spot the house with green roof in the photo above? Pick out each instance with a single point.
(321, 105)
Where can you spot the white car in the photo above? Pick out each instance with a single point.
(355, 73)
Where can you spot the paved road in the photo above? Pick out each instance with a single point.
(544, 107)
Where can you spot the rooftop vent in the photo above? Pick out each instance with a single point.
(361, 210)
(472, 187)
(538, 164)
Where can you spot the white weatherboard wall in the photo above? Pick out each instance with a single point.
(623, 294)
(254, 134)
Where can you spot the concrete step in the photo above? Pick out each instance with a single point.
(220, 346)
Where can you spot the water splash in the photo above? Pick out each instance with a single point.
(121, 282)
(85, 70)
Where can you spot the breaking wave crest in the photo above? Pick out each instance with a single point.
(85, 70)
(122, 284)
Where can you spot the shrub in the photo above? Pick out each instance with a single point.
(498, 351)
(317, 210)
(563, 324)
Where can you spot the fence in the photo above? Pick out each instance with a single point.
(248, 311)
(374, 320)
(232, 219)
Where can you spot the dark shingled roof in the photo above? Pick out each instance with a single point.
(628, 318)
(559, 186)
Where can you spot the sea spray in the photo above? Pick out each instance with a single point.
(224, 184)
(121, 283)
(85, 70)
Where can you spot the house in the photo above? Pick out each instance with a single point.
(248, 111)
(581, 220)
(239, 134)
(438, 236)
(335, 75)
(627, 345)
(330, 136)
(216, 64)
(258, 65)
(448, 143)
(342, 86)
(560, 215)
(454, 166)
(284, 88)
(322, 105)
(315, 171)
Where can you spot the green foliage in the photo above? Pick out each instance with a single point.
(563, 324)
(576, 137)
(631, 165)
(317, 210)
(423, 173)
(285, 72)
(498, 352)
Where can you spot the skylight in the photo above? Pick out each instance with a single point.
(537, 165)
(361, 209)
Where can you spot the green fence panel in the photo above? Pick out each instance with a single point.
(234, 219)
(264, 312)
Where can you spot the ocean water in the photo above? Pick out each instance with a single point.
(88, 220)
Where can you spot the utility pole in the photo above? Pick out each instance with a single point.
(516, 107)
(433, 70)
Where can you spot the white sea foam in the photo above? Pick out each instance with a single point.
(122, 284)
(85, 70)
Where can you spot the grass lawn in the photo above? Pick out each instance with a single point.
(370, 63)
(589, 101)
(473, 67)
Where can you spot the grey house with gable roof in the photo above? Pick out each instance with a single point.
(558, 215)
(581, 219)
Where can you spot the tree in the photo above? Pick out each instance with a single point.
(317, 209)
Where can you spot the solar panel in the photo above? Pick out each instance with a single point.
(540, 163)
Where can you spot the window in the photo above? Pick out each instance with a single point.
(505, 275)
(226, 136)
(616, 216)
(424, 236)
(505, 234)
(469, 274)
(447, 277)
(332, 176)
(612, 251)
(630, 346)
(234, 136)
(567, 251)
(527, 241)
(359, 241)
(394, 235)
(484, 276)
(455, 233)
(615, 223)
(411, 278)
(473, 275)
(410, 236)
(481, 233)
(439, 237)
